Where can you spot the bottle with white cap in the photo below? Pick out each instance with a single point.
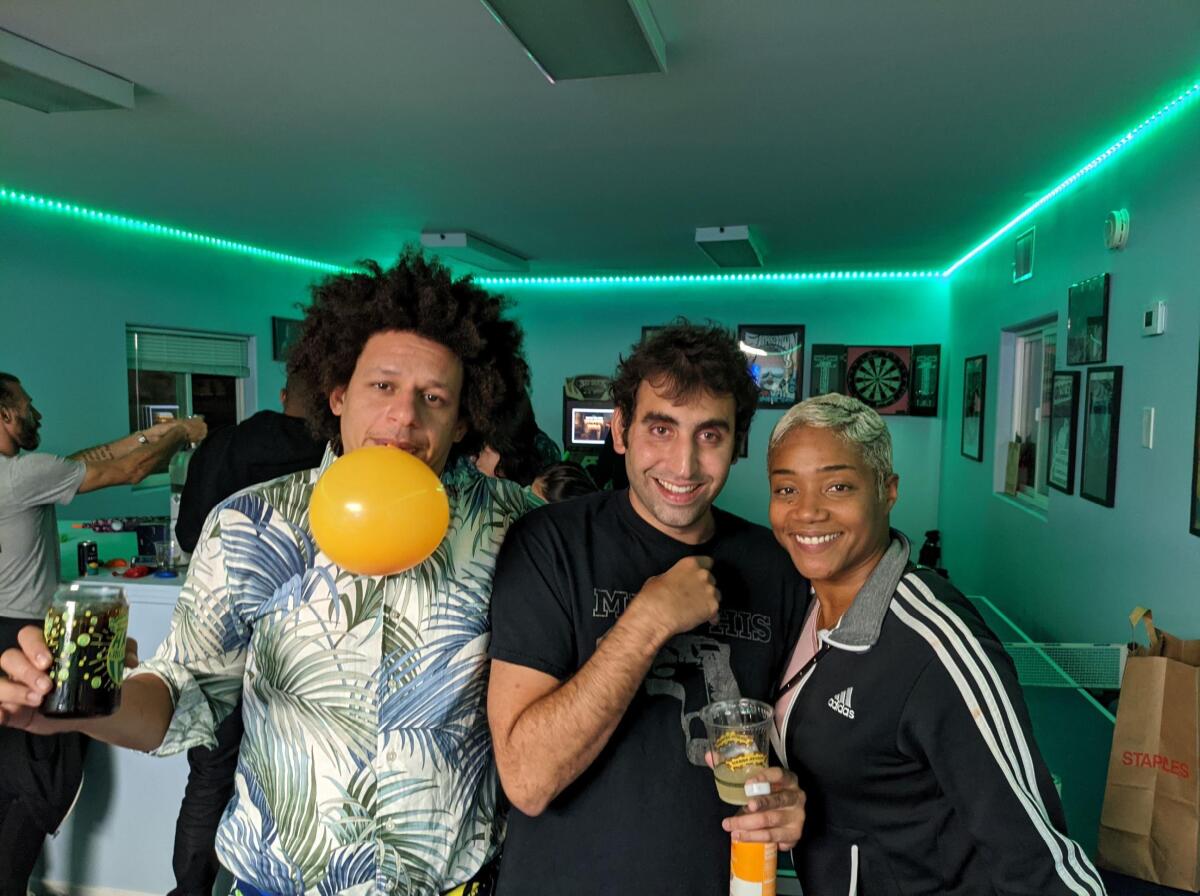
(738, 737)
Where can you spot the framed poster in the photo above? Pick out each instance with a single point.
(1101, 419)
(775, 353)
(828, 370)
(1023, 255)
(1064, 430)
(926, 372)
(880, 376)
(1087, 321)
(1194, 527)
(284, 332)
(974, 395)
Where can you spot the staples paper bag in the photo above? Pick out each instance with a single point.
(1150, 824)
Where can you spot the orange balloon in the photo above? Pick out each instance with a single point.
(378, 511)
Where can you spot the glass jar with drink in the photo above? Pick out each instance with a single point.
(85, 632)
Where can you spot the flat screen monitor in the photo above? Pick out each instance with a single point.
(586, 424)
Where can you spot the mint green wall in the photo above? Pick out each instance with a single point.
(1075, 575)
(583, 329)
(67, 290)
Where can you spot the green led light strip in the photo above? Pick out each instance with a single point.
(668, 279)
(1130, 136)
(41, 203)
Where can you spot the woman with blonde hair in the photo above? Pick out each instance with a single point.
(899, 712)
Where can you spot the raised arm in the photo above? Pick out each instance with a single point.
(547, 732)
(128, 461)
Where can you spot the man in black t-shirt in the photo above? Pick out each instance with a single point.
(615, 618)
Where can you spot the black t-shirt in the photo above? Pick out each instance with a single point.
(258, 449)
(644, 817)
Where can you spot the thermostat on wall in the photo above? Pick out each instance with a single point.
(1154, 319)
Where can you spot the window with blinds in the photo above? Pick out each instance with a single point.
(177, 373)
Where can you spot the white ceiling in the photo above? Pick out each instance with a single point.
(848, 133)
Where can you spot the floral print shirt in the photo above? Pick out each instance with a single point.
(366, 765)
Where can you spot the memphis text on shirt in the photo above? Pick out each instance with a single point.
(741, 624)
(1156, 760)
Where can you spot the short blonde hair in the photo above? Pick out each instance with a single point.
(849, 418)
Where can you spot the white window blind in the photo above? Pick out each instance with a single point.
(183, 351)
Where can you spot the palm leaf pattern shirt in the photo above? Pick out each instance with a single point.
(366, 765)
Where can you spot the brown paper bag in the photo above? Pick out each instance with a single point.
(1150, 823)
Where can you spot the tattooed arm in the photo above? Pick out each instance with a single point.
(124, 445)
(117, 464)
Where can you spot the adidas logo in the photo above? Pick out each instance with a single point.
(840, 702)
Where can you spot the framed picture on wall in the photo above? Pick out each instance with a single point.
(974, 396)
(775, 353)
(926, 371)
(1023, 255)
(1087, 321)
(1064, 429)
(1101, 419)
(1194, 527)
(284, 332)
(828, 372)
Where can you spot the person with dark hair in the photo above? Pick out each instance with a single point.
(520, 451)
(265, 446)
(41, 776)
(365, 765)
(262, 447)
(615, 618)
(608, 472)
(561, 481)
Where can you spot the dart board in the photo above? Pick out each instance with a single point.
(878, 376)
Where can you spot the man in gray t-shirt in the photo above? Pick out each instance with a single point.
(40, 779)
(30, 486)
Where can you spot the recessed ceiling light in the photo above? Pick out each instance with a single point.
(729, 247)
(40, 78)
(570, 39)
(474, 250)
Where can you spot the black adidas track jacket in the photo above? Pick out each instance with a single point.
(910, 736)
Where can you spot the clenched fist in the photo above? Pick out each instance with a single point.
(682, 597)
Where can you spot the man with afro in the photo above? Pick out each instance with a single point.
(366, 765)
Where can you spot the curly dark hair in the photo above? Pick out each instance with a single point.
(419, 295)
(689, 358)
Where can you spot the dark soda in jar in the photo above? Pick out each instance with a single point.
(85, 632)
